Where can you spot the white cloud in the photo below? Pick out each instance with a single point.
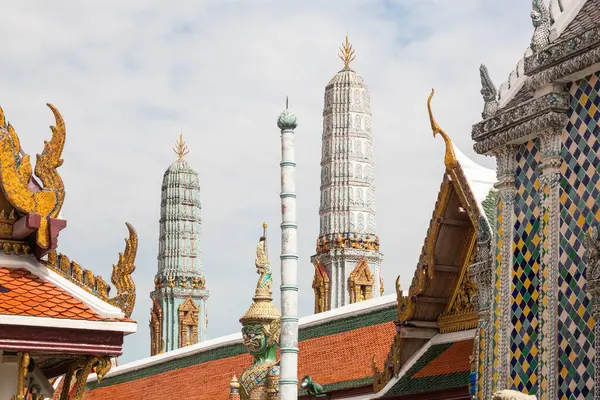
(127, 76)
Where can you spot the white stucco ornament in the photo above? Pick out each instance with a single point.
(512, 395)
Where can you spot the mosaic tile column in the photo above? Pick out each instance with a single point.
(550, 157)
(482, 274)
(591, 258)
(502, 327)
(580, 211)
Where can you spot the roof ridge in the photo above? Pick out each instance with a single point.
(47, 274)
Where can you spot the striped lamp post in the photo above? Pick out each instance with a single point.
(288, 378)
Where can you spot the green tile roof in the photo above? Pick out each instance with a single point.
(409, 385)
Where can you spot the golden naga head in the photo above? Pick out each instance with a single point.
(16, 175)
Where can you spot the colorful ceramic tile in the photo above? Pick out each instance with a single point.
(579, 196)
(526, 263)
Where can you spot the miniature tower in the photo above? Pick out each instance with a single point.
(179, 317)
(288, 383)
(347, 263)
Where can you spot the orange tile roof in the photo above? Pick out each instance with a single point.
(454, 359)
(345, 356)
(25, 294)
(328, 359)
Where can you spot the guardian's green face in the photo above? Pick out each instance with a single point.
(255, 339)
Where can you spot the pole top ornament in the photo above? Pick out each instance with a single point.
(287, 120)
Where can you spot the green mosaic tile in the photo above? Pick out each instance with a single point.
(580, 183)
(409, 385)
(526, 264)
(489, 207)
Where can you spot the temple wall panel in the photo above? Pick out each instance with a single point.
(579, 210)
(526, 264)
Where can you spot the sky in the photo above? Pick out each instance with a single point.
(128, 77)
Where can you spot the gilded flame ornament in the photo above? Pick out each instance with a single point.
(16, 174)
(180, 148)
(121, 275)
(346, 53)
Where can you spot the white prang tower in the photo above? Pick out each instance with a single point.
(348, 261)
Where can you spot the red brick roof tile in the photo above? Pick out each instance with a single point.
(328, 359)
(25, 294)
(454, 359)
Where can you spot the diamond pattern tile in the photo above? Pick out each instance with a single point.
(526, 262)
(580, 185)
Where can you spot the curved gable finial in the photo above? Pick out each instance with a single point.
(449, 158)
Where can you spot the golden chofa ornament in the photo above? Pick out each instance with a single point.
(346, 53)
(180, 148)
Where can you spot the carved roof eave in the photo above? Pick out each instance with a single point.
(407, 305)
(519, 123)
(563, 50)
(425, 269)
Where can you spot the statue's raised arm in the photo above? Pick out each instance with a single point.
(263, 265)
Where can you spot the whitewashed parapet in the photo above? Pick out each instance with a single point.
(562, 13)
(516, 80)
(549, 18)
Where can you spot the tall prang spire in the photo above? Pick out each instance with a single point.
(179, 314)
(347, 261)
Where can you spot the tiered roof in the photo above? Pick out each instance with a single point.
(327, 341)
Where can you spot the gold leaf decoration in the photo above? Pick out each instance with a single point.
(16, 173)
(121, 275)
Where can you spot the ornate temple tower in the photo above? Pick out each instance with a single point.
(178, 316)
(347, 263)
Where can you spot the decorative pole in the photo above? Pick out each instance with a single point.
(288, 382)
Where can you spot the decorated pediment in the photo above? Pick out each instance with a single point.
(362, 275)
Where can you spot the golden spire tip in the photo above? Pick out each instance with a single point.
(180, 147)
(346, 53)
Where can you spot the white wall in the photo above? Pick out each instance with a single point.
(8, 380)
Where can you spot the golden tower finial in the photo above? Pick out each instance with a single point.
(265, 236)
(449, 157)
(180, 147)
(346, 53)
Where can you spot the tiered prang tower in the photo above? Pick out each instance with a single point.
(347, 261)
(179, 316)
